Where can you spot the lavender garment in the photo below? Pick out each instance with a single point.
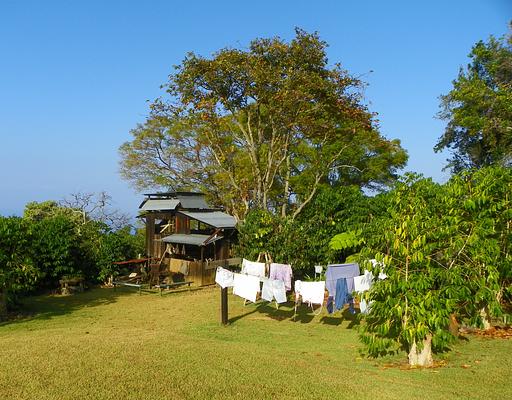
(282, 272)
(337, 271)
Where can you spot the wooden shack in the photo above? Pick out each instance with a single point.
(183, 226)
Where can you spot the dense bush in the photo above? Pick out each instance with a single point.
(17, 272)
(52, 241)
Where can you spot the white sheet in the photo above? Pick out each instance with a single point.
(363, 283)
(246, 286)
(311, 292)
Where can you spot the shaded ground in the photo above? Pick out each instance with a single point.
(119, 345)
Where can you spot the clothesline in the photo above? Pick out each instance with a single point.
(341, 280)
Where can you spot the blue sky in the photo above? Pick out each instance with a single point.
(75, 76)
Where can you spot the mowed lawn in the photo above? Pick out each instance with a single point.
(106, 344)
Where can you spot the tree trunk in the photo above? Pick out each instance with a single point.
(3, 304)
(421, 358)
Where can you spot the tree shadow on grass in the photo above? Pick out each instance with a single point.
(338, 318)
(44, 307)
(304, 314)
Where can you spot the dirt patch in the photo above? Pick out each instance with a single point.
(501, 332)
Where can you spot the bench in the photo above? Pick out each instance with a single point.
(143, 286)
(129, 284)
(173, 285)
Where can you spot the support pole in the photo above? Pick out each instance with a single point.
(224, 306)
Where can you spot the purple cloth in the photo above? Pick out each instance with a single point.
(337, 271)
(282, 272)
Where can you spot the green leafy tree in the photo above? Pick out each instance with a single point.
(478, 108)
(261, 128)
(304, 241)
(78, 236)
(445, 250)
(55, 248)
(115, 246)
(411, 307)
(478, 208)
(17, 272)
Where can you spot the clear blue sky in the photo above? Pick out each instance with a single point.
(75, 76)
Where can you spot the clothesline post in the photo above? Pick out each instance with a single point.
(224, 305)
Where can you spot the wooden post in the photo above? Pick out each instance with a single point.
(224, 305)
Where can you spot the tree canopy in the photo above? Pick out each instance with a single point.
(261, 128)
(478, 108)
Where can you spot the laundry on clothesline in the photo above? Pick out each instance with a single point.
(364, 307)
(273, 289)
(253, 268)
(224, 278)
(246, 286)
(362, 283)
(310, 292)
(376, 263)
(337, 271)
(282, 272)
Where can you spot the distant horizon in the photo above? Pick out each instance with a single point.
(76, 77)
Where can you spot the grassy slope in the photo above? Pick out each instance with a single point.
(118, 345)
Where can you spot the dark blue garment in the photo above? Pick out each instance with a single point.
(330, 304)
(337, 271)
(341, 297)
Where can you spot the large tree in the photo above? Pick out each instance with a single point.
(261, 128)
(479, 109)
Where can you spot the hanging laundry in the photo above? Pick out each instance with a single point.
(330, 304)
(343, 296)
(376, 263)
(364, 307)
(273, 289)
(175, 265)
(253, 268)
(363, 283)
(311, 292)
(224, 278)
(282, 272)
(337, 271)
(184, 267)
(246, 286)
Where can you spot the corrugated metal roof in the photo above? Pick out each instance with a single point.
(195, 201)
(194, 239)
(159, 204)
(216, 219)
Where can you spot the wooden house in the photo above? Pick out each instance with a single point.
(182, 226)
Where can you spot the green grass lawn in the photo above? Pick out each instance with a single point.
(106, 344)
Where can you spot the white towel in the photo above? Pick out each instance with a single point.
(311, 292)
(246, 286)
(253, 268)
